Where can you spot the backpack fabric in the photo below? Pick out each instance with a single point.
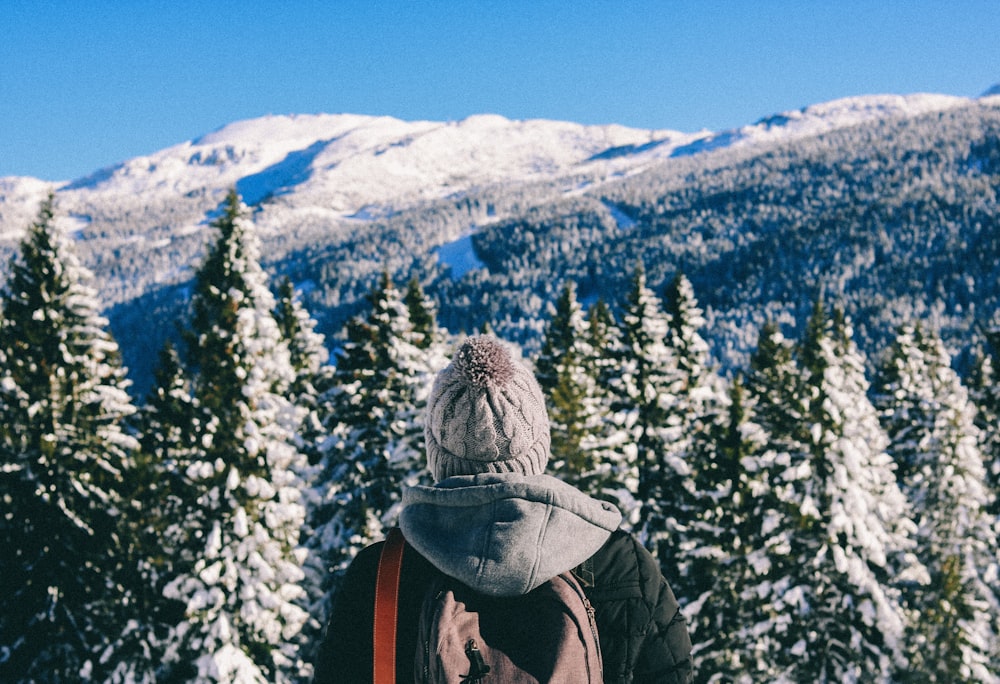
(547, 635)
(644, 639)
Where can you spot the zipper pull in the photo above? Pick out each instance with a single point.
(478, 669)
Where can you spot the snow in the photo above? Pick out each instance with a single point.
(624, 221)
(346, 165)
(845, 112)
(19, 202)
(459, 256)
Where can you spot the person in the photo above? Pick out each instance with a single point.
(496, 522)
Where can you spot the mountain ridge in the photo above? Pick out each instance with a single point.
(299, 131)
(524, 205)
(345, 166)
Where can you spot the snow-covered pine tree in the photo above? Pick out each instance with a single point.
(562, 333)
(434, 345)
(930, 422)
(239, 563)
(168, 420)
(649, 386)
(168, 445)
(307, 347)
(423, 317)
(63, 459)
(853, 537)
(701, 409)
(566, 372)
(686, 322)
(984, 388)
(313, 377)
(775, 383)
(606, 438)
(372, 448)
(310, 361)
(764, 571)
(730, 621)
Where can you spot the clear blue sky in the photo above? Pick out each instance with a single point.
(88, 83)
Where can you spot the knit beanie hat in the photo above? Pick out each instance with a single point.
(486, 414)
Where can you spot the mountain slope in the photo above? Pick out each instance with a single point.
(345, 163)
(759, 217)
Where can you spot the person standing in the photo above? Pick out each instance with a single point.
(497, 523)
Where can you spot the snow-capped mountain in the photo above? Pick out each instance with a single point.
(492, 214)
(345, 163)
(349, 166)
(340, 166)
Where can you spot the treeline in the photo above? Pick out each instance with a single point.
(896, 219)
(816, 525)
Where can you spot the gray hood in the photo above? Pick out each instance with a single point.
(505, 534)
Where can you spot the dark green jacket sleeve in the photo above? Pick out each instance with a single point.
(644, 637)
(346, 652)
(345, 656)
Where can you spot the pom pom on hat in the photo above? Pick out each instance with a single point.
(483, 362)
(486, 414)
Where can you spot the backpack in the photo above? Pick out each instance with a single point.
(547, 635)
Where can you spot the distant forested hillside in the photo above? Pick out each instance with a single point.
(895, 218)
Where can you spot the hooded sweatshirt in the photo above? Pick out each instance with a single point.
(505, 534)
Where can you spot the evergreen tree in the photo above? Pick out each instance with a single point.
(169, 416)
(984, 388)
(434, 351)
(375, 437)
(63, 459)
(565, 372)
(238, 566)
(649, 387)
(853, 533)
(731, 620)
(770, 431)
(310, 363)
(306, 346)
(775, 381)
(742, 625)
(686, 322)
(154, 499)
(607, 441)
(313, 377)
(423, 316)
(930, 421)
(702, 410)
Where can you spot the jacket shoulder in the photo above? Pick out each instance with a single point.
(623, 562)
(643, 633)
(345, 653)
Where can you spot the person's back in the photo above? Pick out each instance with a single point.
(501, 527)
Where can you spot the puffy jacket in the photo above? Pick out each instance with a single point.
(505, 534)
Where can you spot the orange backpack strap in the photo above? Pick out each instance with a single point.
(386, 603)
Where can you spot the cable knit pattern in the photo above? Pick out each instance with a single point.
(486, 414)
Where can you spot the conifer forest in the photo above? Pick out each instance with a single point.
(810, 450)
